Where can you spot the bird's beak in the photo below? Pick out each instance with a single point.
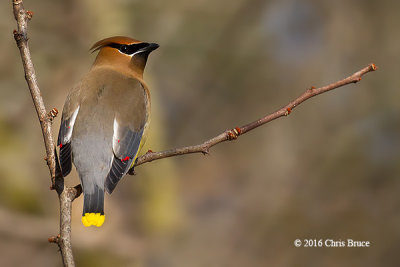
(151, 47)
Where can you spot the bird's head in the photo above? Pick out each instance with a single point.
(123, 53)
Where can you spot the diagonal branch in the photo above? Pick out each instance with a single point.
(234, 133)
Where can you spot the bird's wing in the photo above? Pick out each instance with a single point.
(70, 112)
(126, 143)
(129, 125)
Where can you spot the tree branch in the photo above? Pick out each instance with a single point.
(21, 37)
(233, 134)
(65, 195)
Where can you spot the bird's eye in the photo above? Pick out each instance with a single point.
(123, 49)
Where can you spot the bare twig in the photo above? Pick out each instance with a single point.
(66, 195)
(234, 133)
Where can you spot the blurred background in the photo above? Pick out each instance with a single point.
(328, 171)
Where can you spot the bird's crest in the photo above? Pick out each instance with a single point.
(116, 40)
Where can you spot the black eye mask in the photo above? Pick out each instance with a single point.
(129, 49)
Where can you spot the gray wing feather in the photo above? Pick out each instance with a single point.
(126, 144)
(64, 141)
(126, 141)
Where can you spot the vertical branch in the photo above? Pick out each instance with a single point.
(21, 37)
(64, 239)
(65, 195)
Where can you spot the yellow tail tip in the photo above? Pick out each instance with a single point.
(95, 219)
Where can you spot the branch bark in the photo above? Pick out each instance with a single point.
(21, 37)
(234, 133)
(65, 195)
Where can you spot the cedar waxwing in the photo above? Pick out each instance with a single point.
(105, 120)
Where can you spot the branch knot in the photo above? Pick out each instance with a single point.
(29, 15)
(234, 133)
(19, 38)
(54, 239)
(52, 114)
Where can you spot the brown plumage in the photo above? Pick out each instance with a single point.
(105, 121)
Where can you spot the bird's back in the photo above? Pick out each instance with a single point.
(116, 97)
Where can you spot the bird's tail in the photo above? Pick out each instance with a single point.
(93, 207)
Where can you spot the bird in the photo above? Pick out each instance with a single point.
(105, 121)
